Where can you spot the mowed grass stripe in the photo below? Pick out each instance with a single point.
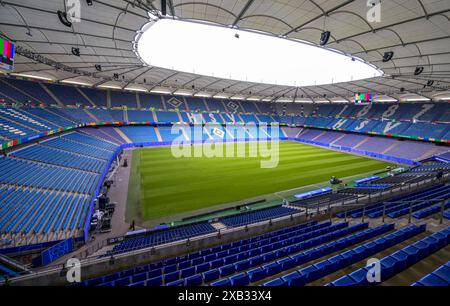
(175, 185)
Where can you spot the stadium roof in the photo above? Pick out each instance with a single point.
(417, 31)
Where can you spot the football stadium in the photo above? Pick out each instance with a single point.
(260, 143)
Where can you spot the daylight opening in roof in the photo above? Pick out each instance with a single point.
(228, 53)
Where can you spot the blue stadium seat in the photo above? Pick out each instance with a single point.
(241, 279)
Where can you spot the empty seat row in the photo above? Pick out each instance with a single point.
(377, 209)
(439, 277)
(90, 140)
(224, 265)
(256, 247)
(24, 173)
(40, 211)
(171, 264)
(263, 256)
(430, 210)
(59, 157)
(82, 149)
(344, 259)
(413, 208)
(447, 214)
(399, 260)
(257, 255)
(161, 237)
(287, 263)
(400, 207)
(257, 216)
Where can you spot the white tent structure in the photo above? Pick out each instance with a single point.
(417, 31)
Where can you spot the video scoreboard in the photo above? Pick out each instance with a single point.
(6, 55)
(363, 98)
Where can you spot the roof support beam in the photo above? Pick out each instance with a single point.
(405, 44)
(267, 88)
(206, 4)
(136, 77)
(391, 25)
(109, 79)
(367, 88)
(248, 87)
(244, 9)
(34, 8)
(319, 16)
(192, 80)
(70, 44)
(414, 56)
(167, 78)
(61, 31)
(326, 89)
(307, 94)
(318, 95)
(171, 8)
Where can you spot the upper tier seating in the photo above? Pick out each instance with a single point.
(49, 116)
(139, 116)
(96, 96)
(119, 99)
(151, 101)
(13, 94)
(102, 115)
(68, 95)
(78, 115)
(32, 88)
(19, 118)
(196, 104)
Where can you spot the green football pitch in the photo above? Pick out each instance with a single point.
(162, 185)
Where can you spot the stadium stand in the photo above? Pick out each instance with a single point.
(162, 237)
(439, 277)
(400, 260)
(68, 95)
(119, 99)
(360, 191)
(257, 216)
(140, 134)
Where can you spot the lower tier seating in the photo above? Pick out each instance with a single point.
(346, 258)
(257, 216)
(245, 255)
(398, 261)
(162, 237)
(400, 206)
(439, 277)
(430, 210)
